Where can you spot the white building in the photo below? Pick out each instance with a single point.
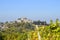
(24, 19)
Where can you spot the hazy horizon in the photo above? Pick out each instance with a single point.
(32, 9)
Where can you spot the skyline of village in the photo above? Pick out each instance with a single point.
(33, 9)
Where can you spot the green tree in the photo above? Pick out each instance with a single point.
(57, 22)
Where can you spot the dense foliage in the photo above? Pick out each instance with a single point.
(28, 31)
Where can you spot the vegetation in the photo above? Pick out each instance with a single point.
(28, 31)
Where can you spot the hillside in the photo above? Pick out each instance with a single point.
(26, 29)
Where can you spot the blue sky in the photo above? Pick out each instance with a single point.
(33, 9)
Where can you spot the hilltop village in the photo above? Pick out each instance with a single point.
(22, 20)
